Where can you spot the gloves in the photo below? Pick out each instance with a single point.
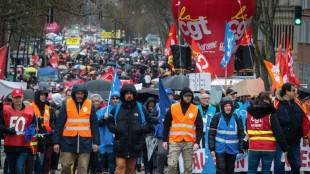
(101, 122)
(11, 131)
(7, 130)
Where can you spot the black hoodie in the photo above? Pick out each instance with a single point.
(184, 106)
(261, 110)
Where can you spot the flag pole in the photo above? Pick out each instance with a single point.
(225, 80)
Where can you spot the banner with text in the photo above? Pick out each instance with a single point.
(242, 165)
(199, 80)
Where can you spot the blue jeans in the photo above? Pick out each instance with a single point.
(38, 164)
(16, 161)
(254, 158)
(112, 162)
(293, 157)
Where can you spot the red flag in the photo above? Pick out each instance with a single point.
(202, 65)
(49, 50)
(54, 61)
(247, 38)
(108, 76)
(35, 60)
(288, 70)
(123, 82)
(172, 40)
(275, 75)
(280, 62)
(3, 51)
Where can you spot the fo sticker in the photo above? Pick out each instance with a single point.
(85, 109)
(191, 115)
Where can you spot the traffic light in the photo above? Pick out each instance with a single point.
(298, 12)
(121, 43)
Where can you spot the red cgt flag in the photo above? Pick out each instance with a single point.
(49, 50)
(108, 76)
(3, 52)
(288, 70)
(35, 60)
(202, 65)
(172, 40)
(54, 61)
(247, 38)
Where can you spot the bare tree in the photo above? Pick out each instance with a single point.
(263, 21)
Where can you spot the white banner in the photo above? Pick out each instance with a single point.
(7, 87)
(242, 165)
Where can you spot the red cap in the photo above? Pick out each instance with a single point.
(17, 93)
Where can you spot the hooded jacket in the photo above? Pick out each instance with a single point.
(184, 106)
(76, 144)
(215, 122)
(262, 110)
(47, 139)
(127, 126)
(290, 117)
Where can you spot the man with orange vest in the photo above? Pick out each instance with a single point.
(184, 124)
(76, 130)
(14, 120)
(294, 124)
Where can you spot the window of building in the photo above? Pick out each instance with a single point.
(306, 4)
(304, 35)
(300, 70)
(307, 72)
(301, 33)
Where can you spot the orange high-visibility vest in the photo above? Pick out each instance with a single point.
(183, 126)
(78, 122)
(45, 116)
(260, 133)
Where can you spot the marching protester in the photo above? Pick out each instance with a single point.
(183, 128)
(264, 132)
(46, 115)
(128, 121)
(95, 157)
(106, 137)
(226, 137)
(76, 130)
(161, 151)
(150, 164)
(14, 120)
(294, 125)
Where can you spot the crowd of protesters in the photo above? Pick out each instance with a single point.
(93, 134)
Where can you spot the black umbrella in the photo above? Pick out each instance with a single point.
(94, 65)
(98, 85)
(145, 93)
(28, 94)
(177, 82)
(127, 66)
(111, 64)
(304, 93)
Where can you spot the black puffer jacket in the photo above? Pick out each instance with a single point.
(214, 123)
(128, 129)
(262, 110)
(290, 117)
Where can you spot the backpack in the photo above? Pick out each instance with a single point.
(140, 110)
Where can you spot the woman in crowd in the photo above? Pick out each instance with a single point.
(264, 132)
(226, 137)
